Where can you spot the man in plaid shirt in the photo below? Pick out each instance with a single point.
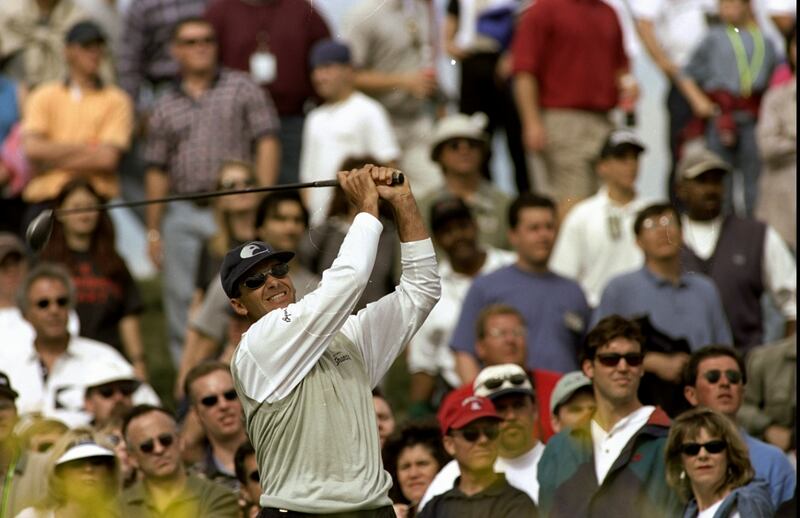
(212, 114)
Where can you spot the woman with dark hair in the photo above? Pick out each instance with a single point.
(709, 466)
(108, 300)
(412, 456)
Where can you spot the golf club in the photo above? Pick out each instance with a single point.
(38, 232)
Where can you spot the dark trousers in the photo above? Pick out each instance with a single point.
(680, 113)
(482, 91)
(382, 512)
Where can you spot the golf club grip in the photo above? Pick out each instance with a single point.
(398, 178)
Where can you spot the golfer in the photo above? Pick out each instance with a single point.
(304, 370)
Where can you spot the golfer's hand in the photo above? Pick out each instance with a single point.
(360, 189)
(382, 176)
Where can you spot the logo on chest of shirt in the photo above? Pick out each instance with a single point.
(340, 358)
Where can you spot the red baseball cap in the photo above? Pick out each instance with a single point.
(457, 413)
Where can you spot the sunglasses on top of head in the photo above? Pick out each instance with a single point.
(257, 280)
(515, 379)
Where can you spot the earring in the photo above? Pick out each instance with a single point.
(683, 474)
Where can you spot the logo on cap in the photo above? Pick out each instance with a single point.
(474, 403)
(251, 250)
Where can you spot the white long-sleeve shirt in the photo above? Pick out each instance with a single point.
(305, 374)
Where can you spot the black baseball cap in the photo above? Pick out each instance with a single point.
(5, 387)
(447, 209)
(241, 259)
(620, 140)
(85, 32)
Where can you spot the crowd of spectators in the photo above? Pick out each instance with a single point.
(595, 351)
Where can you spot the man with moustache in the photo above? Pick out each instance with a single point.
(617, 461)
(305, 370)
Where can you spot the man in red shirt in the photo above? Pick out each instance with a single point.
(570, 69)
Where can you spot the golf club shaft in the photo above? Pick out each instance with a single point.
(397, 178)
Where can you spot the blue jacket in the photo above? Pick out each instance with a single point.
(635, 486)
(751, 501)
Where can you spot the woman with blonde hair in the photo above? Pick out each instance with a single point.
(82, 480)
(709, 466)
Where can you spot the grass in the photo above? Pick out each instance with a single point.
(156, 347)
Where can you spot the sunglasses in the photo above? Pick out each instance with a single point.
(457, 142)
(42, 447)
(210, 401)
(473, 433)
(257, 280)
(693, 448)
(612, 359)
(236, 184)
(190, 42)
(254, 477)
(515, 379)
(124, 389)
(165, 440)
(45, 303)
(714, 375)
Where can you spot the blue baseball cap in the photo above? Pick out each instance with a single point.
(328, 52)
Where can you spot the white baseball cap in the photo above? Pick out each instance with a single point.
(84, 449)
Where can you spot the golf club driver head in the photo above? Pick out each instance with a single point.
(38, 232)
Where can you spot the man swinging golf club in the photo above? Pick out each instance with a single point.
(304, 370)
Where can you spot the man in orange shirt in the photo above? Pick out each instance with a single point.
(78, 127)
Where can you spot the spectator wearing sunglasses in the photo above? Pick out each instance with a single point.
(166, 489)
(82, 479)
(616, 462)
(21, 469)
(715, 377)
(518, 447)
(470, 429)
(249, 480)
(304, 370)
(14, 265)
(110, 391)
(209, 387)
(460, 146)
(51, 373)
(708, 465)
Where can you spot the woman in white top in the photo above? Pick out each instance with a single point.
(709, 466)
(82, 480)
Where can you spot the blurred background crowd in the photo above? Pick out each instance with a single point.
(575, 160)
